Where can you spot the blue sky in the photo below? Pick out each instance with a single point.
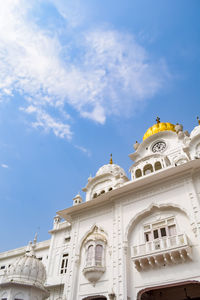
(80, 80)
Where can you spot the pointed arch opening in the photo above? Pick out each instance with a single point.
(157, 166)
(147, 169)
(176, 291)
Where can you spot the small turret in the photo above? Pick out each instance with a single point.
(136, 145)
(77, 199)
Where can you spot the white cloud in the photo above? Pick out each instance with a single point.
(4, 166)
(83, 149)
(45, 121)
(103, 71)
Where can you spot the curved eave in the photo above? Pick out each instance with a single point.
(131, 186)
(96, 178)
(13, 283)
(145, 158)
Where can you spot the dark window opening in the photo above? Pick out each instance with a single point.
(148, 169)
(163, 231)
(157, 166)
(138, 173)
(64, 263)
(147, 237)
(155, 234)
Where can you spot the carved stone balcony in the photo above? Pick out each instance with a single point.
(161, 252)
(93, 273)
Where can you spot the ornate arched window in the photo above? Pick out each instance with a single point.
(95, 250)
(95, 254)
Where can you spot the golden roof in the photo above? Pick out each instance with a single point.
(160, 126)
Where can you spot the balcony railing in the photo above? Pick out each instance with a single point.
(160, 252)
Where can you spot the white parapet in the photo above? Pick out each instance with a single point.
(162, 251)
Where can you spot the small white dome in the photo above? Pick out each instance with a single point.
(112, 169)
(27, 270)
(195, 131)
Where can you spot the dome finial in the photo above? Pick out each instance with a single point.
(35, 239)
(111, 161)
(30, 250)
(198, 120)
(158, 120)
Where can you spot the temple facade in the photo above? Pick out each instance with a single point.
(129, 239)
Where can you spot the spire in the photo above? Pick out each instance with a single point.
(29, 250)
(111, 161)
(158, 120)
(198, 120)
(35, 239)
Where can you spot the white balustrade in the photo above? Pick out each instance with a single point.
(162, 251)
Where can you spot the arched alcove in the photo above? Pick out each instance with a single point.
(157, 166)
(149, 210)
(174, 291)
(97, 297)
(147, 169)
(138, 173)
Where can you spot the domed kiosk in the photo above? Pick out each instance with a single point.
(164, 145)
(25, 278)
(108, 178)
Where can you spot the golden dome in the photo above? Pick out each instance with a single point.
(160, 126)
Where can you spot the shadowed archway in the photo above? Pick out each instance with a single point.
(97, 297)
(189, 290)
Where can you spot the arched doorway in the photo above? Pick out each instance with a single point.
(189, 290)
(97, 297)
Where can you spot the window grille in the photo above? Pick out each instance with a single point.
(98, 255)
(157, 230)
(90, 255)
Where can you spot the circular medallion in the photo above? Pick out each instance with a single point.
(158, 147)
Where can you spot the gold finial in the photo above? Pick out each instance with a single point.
(158, 120)
(111, 161)
(198, 120)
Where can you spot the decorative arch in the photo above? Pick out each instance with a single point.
(88, 233)
(147, 169)
(93, 253)
(97, 297)
(184, 284)
(139, 216)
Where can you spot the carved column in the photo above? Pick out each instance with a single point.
(71, 280)
(192, 195)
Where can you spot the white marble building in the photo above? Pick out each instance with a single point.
(131, 239)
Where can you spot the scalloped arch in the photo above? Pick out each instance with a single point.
(149, 210)
(87, 234)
